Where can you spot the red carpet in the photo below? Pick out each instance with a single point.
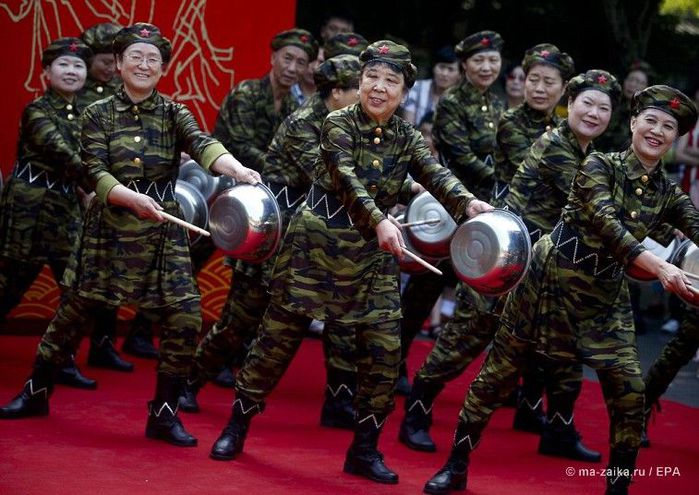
(93, 442)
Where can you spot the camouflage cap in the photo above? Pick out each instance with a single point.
(548, 54)
(340, 71)
(142, 32)
(670, 101)
(100, 37)
(393, 54)
(345, 43)
(601, 80)
(71, 47)
(299, 38)
(481, 41)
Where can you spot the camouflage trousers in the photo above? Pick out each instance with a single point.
(588, 319)
(238, 327)
(676, 353)
(180, 324)
(16, 277)
(377, 359)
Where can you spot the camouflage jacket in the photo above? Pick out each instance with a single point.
(614, 204)
(465, 124)
(96, 90)
(540, 187)
(366, 165)
(122, 259)
(247, 120)
(519, 127)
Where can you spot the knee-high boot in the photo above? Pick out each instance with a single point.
(415, 427)
(622, 462)
(139, 340)
(33, 400)
(454, 474)
(559, 438)
(363, 457)
(163, 422)
(338, 407)
(230, 442)
(102, 353)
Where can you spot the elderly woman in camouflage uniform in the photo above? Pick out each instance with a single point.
(466, 335)
(337, 263)
(574, 303)
(131, 146)
(40, 214)
(288, 172)
(465, 124)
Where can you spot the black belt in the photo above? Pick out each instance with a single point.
(161, 191)
(325, 204)
(37, 176)
(288, 197)
(582, 257)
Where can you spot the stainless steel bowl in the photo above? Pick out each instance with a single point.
(194, 207)
(406, 264)
(491, 252)
(686, 257)
(430, 240)
(663, 252)
(191, 172)
(245, 222)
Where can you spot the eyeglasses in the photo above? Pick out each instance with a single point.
(138, 59)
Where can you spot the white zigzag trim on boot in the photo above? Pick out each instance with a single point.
(33, 392)
(337, 391)
(526, 402)
(471, 445)
(563, 420)
(242, 407)
(162, 408)
(377, 424)
(422, 406)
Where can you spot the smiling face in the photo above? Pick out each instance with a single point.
(543, 88)
(103, 67)
(652, 134)
(288, 65)
(141, 67)
(66, 75)
(381, 91)
(589, 114)
(483, 68)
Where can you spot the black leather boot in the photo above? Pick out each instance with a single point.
(33, 400)
(103, 355)
(622, 463)
(188, 398)
(560, 439)
(230, 442)
(226, 378)
(454, 474)
(529, 417)
(139, 341)
(163, 423)
(71, 376)
(363, 457)
(403, 386)
(338, 407)
(415, 428)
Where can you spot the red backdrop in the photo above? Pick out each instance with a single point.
(216, 44)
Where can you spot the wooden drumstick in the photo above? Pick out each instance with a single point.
(187, 225)
(419, 260)
(430, 221)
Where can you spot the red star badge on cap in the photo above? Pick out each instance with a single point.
(675, 103)
(352, 41)
(602, 79)
(73, 47)
(384, 49)
(544, 53)
(145, 33)
(485, 41)
(304, 38)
